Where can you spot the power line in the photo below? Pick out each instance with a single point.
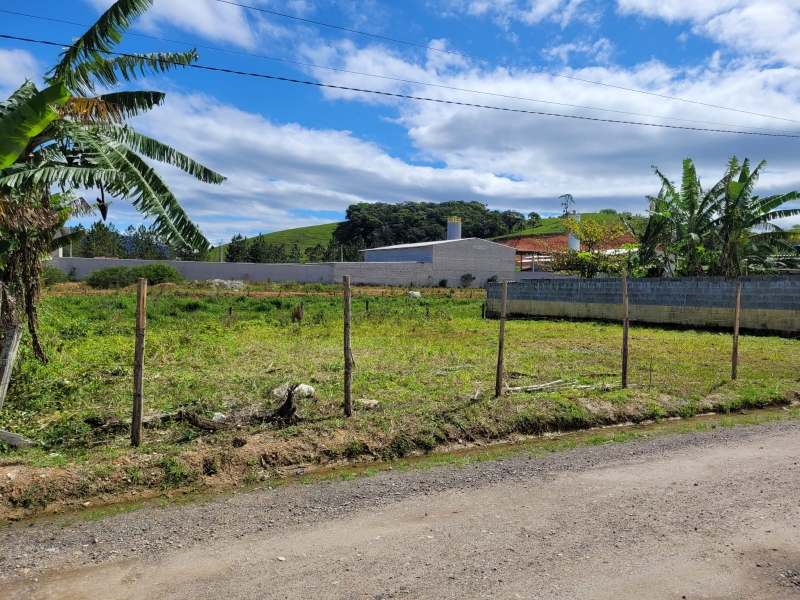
(410, 97)
(497, 62)
(408, 81)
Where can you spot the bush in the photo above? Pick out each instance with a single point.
(116, 277)
(110, 277)
(51, 275)
(492, 279)
(443, 283)
(467, 279)
(157, 273)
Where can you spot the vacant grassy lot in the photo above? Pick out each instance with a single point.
(430, 365)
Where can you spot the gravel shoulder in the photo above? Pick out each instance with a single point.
(712, 514)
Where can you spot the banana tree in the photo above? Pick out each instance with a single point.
(750, 242)
(90, 145)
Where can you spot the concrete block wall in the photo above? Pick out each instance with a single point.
(386, 273)
(301, 273)
(478, 257)
(380, 273)
(769, 304)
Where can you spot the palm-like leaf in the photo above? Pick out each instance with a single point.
(103, 36)
(161, 152)
(28, 120)
(25, 92)
(132, 104)
(110, 72)
(65, 240)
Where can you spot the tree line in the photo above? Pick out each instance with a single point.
(258, 250)
(380, 224)
(144, 243)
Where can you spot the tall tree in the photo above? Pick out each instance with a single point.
(237, 249)
(100, 240)
(145, 243)
(258, 251)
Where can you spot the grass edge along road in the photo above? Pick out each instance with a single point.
(429, 365)
(531, 446)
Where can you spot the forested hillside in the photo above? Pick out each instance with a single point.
(382, 224)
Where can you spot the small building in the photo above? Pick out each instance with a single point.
(448, 259)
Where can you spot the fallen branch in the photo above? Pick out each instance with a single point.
(535, 388)
(286, 413)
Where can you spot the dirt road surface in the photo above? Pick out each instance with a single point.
(702, 515)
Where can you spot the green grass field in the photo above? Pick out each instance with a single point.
(304, 237)
(430, 365)
(552, 226)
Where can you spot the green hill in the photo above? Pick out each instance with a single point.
(304, 237)
(552, 226)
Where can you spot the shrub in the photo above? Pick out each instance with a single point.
(157, 273)
(51, 275)
(110, 277)
(443, 283)
(116, 277)
(467, 279)
(492, 279)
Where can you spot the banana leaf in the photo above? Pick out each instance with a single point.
(27, 121)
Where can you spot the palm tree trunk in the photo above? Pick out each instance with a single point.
(31, 295)
(8, 356)
(8, 351)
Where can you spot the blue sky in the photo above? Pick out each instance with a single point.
(298, 155)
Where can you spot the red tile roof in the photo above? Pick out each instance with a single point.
(547, 244)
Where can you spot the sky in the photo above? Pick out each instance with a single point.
(298, 155)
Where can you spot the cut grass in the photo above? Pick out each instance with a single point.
(431, 376)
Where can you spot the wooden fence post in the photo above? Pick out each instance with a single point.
(498, 385)
(625, 324)
(138, 363)
(348, 353)
(737, 310)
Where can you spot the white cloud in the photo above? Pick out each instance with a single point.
(213, 20)
(765, 28)
(543, 157)
(677, 10)
(15, 67)
(504, 12)
(505, 160)
(599, 51)
(275, 169)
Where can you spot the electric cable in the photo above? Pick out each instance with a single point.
(496, 62)
(411, 97)
(408, 81)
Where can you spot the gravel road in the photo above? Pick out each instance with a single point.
(713, 514)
